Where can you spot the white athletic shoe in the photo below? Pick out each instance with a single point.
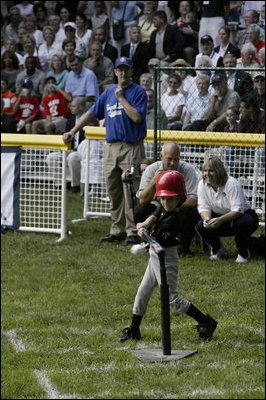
(241, 260)
(219, 255)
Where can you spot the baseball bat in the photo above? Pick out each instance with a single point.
(152, 242)
(164, 292)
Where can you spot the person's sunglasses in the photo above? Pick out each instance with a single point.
(259, 79)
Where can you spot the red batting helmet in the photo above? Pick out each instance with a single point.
(171, 183)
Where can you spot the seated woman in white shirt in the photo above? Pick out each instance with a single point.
(173, 101)
(224, 211)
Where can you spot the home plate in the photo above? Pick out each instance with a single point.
(157, 354)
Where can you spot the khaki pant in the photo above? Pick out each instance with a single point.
(119, 157)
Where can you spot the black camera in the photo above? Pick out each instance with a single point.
(128, 175)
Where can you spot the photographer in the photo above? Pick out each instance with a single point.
(55, 109)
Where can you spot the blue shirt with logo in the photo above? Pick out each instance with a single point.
(119, 127)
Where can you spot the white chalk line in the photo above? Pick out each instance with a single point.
(53, 393)
(184, 395)
(50, 389)
(18, 345)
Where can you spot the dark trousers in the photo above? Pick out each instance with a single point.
(241, 228)
(188, 219)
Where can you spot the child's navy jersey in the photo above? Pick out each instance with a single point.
(167, 227)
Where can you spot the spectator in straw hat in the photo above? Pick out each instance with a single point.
(188, 85)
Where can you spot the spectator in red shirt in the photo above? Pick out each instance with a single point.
(55, 109)
(8, 97)
(26, 108)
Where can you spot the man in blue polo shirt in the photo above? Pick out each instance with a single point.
(123, 106)
(81, 81)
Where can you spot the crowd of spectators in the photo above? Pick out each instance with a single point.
(53, 53)
(76, 46)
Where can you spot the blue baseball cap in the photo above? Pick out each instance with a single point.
(123, 61)
(218, 77)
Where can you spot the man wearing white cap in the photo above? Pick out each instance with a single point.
(123, 106)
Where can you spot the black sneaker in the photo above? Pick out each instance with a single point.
(206, 330)
(129, 334)
(111, 238)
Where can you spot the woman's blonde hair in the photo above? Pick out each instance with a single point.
(216, 165)
(61, 58)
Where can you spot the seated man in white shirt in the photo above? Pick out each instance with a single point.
(197, 104)
(54, 159)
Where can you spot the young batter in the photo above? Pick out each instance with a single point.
(164, 226)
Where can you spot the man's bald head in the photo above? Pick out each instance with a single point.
(170, 155)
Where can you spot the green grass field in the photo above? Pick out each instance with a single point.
(64, 305)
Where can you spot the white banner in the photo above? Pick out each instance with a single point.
(10, 175)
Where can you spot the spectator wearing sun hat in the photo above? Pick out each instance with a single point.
(207, 49)
(188, 81)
